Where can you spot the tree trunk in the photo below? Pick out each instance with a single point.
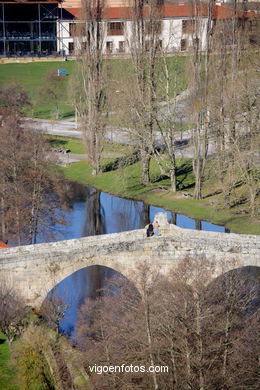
(226, 349)
(173, 179)
(198, 178)
(2, 219)
(149, 338)
(145, 160)
(198, 224)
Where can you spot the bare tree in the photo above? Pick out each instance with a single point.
(92, 98)
(13, 100)
(13, 312)
(186, 321)
(53, 90)
(53, 310)
(200, 88)
(30, 191)
(167, 120)
(144, 44)
(233, 104)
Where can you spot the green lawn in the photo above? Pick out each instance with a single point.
(32, 77)
(7, 374)
(75, 145)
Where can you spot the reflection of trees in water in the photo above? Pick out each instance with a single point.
(197, 224)
(125, 214)
(73, 192)
(145, 216)
(96, 281)
(173, 218)
(95, 221)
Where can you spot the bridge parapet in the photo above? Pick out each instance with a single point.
(35, 269)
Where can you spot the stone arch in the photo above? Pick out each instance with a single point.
(109, 273)
(55, 274)
(252, 271)
(82, 284)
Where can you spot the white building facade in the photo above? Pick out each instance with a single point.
(175, 33)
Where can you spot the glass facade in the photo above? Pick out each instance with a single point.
(28, 29)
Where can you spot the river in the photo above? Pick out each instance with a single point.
(93, 212)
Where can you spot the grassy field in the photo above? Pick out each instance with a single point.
(32, 76)
(7, 373)
(75, 145)
(126, 182)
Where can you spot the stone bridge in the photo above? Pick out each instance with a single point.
(35, 269)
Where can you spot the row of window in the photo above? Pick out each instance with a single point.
(184, 44)
(117, 28)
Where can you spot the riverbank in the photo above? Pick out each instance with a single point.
(125, 182)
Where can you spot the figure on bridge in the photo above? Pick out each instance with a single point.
(149, 231)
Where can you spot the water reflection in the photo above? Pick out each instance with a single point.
(99, 213)
(73, 290)
(95, 214)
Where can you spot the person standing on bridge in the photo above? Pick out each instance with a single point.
(156, 228)
(149, 231)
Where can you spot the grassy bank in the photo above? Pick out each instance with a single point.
(126, 182)
(7, 373)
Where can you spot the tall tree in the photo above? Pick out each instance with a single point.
(200, 88)
(144, 44)
(31, 194)
(91, 72)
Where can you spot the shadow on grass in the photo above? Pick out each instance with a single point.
(2, 341)
(121, 162)
(160, 178)
(68, 114)
(184, 169)
(58, 143)
(182, 172)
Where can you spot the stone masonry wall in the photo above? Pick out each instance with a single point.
(35, 269)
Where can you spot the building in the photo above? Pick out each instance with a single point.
(176, 30)
(47, 27)
(3, 245)
(28, 27)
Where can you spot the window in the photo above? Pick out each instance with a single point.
(109, 47)
(121, 46)
(77, 29)
(153, 26)
(188, 26)
(71, 47)
(115, 28)
(183, 44)
(72, 28)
